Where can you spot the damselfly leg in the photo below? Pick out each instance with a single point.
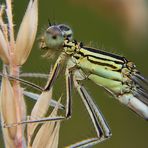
(52, 78)
(101, 127)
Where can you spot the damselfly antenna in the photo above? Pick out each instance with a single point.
(49, 22)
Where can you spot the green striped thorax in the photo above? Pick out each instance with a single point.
(103, 68)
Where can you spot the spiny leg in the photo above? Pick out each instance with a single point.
(57, 118)
(52, 78)
(102, 129)
(68, 113)
(35, 75)
(55, 72)
(33, 96)
(22, 81)
(68, 76)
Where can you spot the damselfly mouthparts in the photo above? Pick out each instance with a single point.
(115, 73)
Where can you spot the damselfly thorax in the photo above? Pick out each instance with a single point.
(93, 62)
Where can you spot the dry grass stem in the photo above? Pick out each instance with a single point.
(13, 107)
(14, 54)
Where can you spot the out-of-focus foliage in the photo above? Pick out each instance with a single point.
(130, 15)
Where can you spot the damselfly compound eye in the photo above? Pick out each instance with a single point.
(53, 37)
(66, 31)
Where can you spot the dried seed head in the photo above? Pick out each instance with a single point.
(48, 135)
(42, 105)
(27, 33)
(40, 109)
(50, 132)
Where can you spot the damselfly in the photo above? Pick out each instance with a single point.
(115, 73)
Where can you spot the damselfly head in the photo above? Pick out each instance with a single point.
(54, 36)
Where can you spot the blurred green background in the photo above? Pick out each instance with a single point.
(107, 25)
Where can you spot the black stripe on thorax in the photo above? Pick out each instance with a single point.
(100, 63)
(97, 62)
(100, 58)
(105, 53)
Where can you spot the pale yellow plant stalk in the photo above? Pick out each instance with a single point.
(50, 138)
(14, 53)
